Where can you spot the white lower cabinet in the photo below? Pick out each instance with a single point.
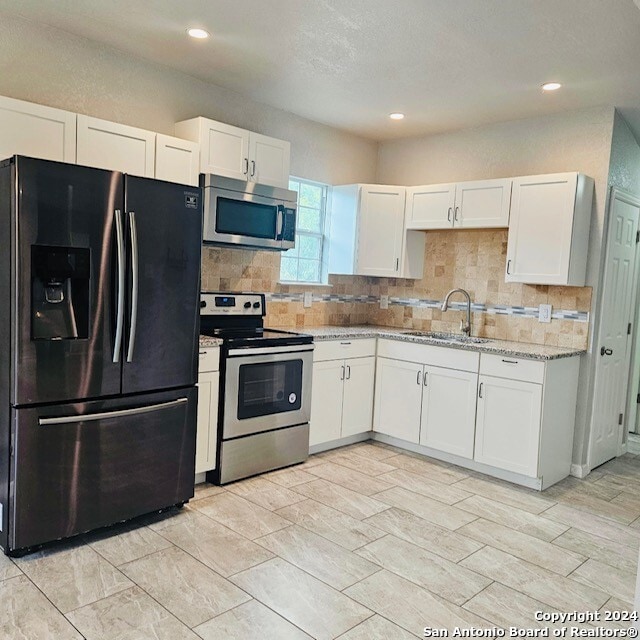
(508, 424)
(449, 410)
(207, 424)
(398, 399)
(342, 399)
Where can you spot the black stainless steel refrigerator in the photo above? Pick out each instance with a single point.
(99, 311)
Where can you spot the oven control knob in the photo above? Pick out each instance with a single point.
(292, 398)
(247, 305)
(256, 305)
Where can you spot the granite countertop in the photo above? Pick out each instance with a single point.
(500, 347)
(208, 341)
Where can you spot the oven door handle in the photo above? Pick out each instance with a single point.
(258, 351)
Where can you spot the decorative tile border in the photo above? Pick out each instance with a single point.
(422, 303)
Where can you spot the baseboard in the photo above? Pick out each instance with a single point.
(580, 470)
(340, 442)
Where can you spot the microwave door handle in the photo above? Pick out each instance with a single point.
(279, 222)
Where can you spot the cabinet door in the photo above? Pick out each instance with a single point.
(380, 231)
(540, 229)
(36, 131)
(357, 404)
(224, 150)
(109, 145)
(431, 207)
(177, 160)
(449, 410)
(326, 401)
(398, 399)
(508, 424)
(207, 429)
(482, 203)
(269, 160)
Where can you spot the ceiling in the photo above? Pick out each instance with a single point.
(447, 64)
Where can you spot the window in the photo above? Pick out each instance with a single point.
(304, 263)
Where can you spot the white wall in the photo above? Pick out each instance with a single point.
(51, 67)
(570, 141)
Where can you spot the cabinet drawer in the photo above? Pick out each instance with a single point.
(429, 354)
(341, 349)
(512, 368)
(208, 359)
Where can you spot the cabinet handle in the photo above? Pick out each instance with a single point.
(246, 166)
(480, 390)
(397, 263)
(424, 378)
(449, 214)
(455, 215)
(606, 352)
(348, 372)
(342, 374)
(253, 168)
(418, 379)
(510, 361)
(508, 267)
(345, 343)
(203, 353)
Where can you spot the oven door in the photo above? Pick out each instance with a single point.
(243, 219)
(266, 389)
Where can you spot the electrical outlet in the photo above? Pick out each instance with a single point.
(308, 299)
(544, 313)
(384, 302)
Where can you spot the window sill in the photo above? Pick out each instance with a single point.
(304, 284)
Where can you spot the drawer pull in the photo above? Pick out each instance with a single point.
(510, 361)
(203, 353)
(345, 343)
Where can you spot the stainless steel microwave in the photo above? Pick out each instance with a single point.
(247, 214)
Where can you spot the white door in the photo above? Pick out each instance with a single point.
(449, 410)
(612, 348)
(114, 146)
(380, 231)
(398, 399)
(508, 424)
(224, 150)
(207, 424)
(326, 401)
(482, 203)
(357, 404)
(431, 207)
(177, 160)
(33, 130)
(269, 160)
(540, 229)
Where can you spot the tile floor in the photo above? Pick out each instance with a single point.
(359, 543)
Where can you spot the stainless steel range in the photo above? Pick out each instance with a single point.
(265, 388)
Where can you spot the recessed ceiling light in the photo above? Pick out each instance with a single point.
(200, 34)
(551, 86)
(396, 116)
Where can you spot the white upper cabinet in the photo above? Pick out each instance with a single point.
(114, 146)
(233, 152)
(269, 160)
(177, 160)
(482, 203)
(470, 205)
(549, 229)
(34, 130)
(431, 207)
(368, 235)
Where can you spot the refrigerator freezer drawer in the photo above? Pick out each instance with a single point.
(83, 466)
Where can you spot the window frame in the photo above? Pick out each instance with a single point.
(321, 235)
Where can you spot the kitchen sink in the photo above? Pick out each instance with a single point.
(447, 337)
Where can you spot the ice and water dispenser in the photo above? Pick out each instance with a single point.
(60, 281)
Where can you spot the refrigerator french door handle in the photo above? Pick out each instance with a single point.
(133, 229)
(120, 301)
(93, 417)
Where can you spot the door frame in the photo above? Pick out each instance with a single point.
(616, 194)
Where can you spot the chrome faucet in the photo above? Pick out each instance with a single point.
(464, 327)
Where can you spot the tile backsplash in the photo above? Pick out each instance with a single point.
(470, 259)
